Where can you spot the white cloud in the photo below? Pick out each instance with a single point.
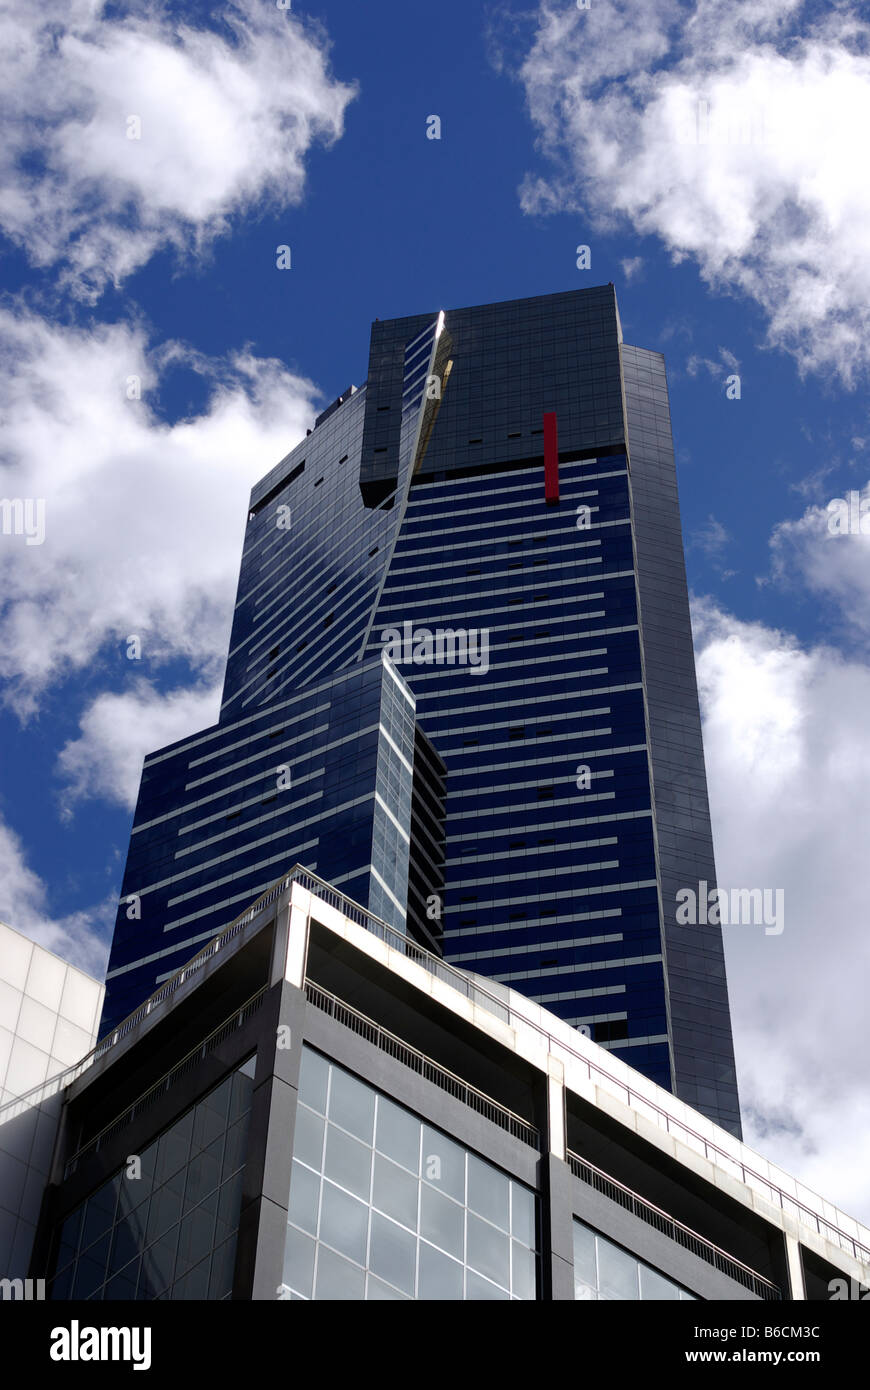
(631, 266)
(144, 521)
(834, 567)
(227, 119)
(787, 746)
(118, 731)
(81, 938)
(731, 132)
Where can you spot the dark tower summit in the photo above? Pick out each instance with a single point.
(461, 688)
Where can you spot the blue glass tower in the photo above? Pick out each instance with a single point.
(475, 558)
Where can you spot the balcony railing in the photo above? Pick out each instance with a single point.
(424, 1066)
(669, 1226)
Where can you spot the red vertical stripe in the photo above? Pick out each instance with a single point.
(551, 459)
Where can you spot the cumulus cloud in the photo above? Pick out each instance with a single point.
(824, 551)
(788, 758)
(143, 519)
(225, 122)
(82, 938)
(731, 132)
(117, 730)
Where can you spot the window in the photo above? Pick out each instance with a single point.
(170, 1231)
(383, 1206)
(604, 1272)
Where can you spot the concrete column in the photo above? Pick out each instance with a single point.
(795, 1268)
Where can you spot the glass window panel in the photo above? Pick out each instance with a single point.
(523, 1215)
(395, 1192)
(481, 1289)
(210, 1116)
(99, 1213)
(617, 1272)
(221, 1276)
(203, 1173)
(655, 1285)
(344, 1222)
(123, 1285)
(304, 1198)
(523, 1271)
(313, 1080)
(90, 1272)
(166, 1205)
(236, 1148)
(352, 1104)
(338, 1279)
(443, 1163)
(584, 1255)
(194, 1285)
(308, 1137)
(393, 1253)
(488, 1192)
(126, 1245)
(241, 1093)
(348, 1162)
(376, 1291)
(196, 1236)
(440, 1277)
(173, 1148)
(488, 1251)
(442, 1221)
(158, 1263)
(299, 1262)
(61, 1285)
(229, 1206)
(398, 1135)
(132, 1195)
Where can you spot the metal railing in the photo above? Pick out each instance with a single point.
(676, 1230)
(421, 1064)
(169, 1078)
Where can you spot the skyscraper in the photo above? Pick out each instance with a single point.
(469, 576)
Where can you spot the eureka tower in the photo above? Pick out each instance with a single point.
(461, 689)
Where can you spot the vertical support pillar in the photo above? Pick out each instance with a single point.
(795, 1266)
(266, 1190)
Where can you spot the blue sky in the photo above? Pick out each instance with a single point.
(711, 159)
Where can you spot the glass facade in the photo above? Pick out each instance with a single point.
(323, 777)
(383, 1206)
(168, 1230)
(550, 873)
(546, 656)
(604, 1271)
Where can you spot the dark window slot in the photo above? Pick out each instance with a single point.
(274, 491)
